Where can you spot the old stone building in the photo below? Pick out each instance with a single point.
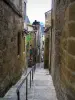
(36, 27)
(47, 38)
(63, 48)
(12, 44)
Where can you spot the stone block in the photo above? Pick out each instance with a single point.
(67, 74)
(70, 92)
(70, 12)
(71, 29)
(63, 79)
(63, 56)
(71, 47)
(64, 34)
(71, 63)
(64, 44)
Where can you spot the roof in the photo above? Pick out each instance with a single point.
(49, 11)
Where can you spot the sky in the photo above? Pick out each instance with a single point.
(36, 9)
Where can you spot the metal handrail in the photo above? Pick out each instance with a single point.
(26, 78)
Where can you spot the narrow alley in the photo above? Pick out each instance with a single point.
(42, 87)
(37, 49)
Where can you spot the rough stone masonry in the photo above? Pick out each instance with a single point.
(10, 62)
(63, 48)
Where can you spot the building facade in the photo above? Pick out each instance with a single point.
(63, 48)
(36, 26)
(12, 48)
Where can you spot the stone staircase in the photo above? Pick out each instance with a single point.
(42, 87)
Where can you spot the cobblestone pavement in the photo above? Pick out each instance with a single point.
(42, 87)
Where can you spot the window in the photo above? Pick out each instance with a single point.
(18, 43)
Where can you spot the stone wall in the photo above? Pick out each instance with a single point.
(63, 49)
(47, 39)
(11, 64)
(46, 51)
(68, 52)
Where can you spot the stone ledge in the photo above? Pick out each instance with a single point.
(13, 7)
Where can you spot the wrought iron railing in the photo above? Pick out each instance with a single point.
(31, 73)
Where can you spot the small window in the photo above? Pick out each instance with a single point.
(18, 43)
